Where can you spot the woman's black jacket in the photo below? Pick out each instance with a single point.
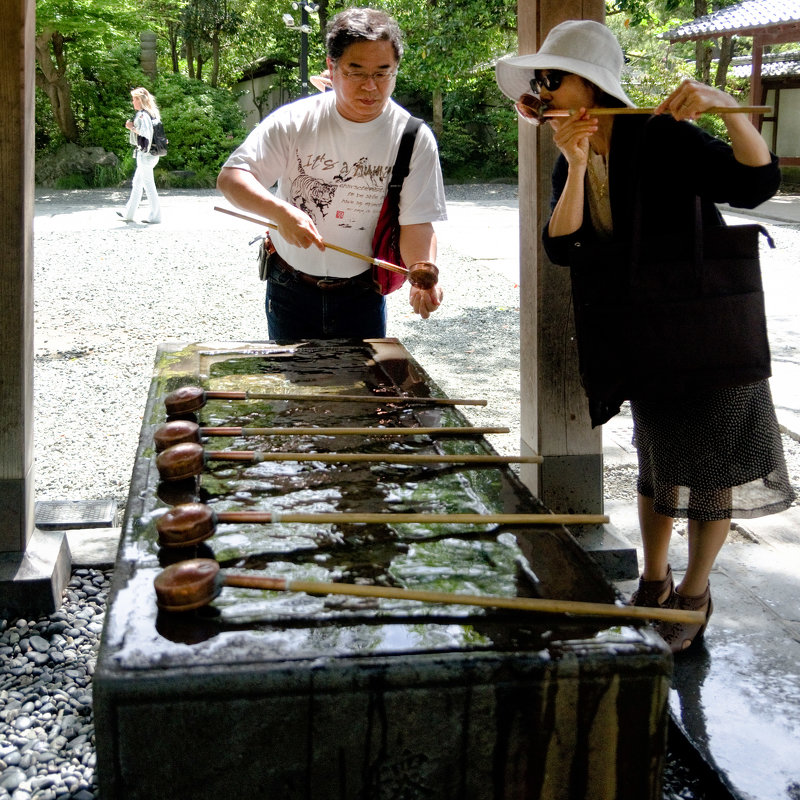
(659, 165)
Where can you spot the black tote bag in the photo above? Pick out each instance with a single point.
(667, 318)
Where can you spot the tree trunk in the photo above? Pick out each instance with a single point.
(172, 35)
(702, 49)
(214, 59)
(702, 56)
(190, 58)
(52, 79)
(725, 57)
(322, 13)
(438, 113)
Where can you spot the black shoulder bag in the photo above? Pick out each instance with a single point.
(159, 143)
(386, 241)
(669, 318)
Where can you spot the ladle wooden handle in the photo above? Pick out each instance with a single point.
(190, 584)
(179, 431)
(399, 517)
(533, 109)
(258, 456)
(176, 464)
(192, 398)
(187, 459)
(369, 259)
(189, 524)
(367, 431)
(594, 112)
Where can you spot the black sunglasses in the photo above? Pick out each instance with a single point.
(550, 80)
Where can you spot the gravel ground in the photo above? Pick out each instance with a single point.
(101, 309)
(105, 295)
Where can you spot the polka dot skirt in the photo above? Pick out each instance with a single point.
(716, 455)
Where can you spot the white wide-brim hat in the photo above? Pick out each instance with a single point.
(580, 46)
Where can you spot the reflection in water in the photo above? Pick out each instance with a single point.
(740, 684)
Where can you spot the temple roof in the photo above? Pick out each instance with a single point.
(774, 65)
(749, 18)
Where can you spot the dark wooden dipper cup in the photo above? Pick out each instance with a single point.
(185, 399)
(423, 274)
(181, 461)
(188, 584)
(185, 525)
(175, 432)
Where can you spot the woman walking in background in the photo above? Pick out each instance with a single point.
(141, 137)
(705, 455)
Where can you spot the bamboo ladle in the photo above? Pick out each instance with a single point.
(191, 523)
(192, 398)
(424, 275)
(535, 110)
(186, 460)
(180, 430)
(191, 584)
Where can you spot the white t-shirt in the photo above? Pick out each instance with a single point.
(338, 171)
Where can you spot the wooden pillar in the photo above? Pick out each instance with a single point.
(34, 566)
(16, 273)
(554, 416)
(755, 80)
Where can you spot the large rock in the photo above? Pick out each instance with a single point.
(71, 160)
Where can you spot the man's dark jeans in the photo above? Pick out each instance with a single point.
(297, 310)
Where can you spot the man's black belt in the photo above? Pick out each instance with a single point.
(321, 282)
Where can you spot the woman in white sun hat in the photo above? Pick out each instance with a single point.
(703, 456)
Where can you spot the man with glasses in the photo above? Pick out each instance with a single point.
(332, 156)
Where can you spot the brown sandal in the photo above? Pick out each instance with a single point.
(680, 635)
(655, 594)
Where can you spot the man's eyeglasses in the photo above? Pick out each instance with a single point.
(384, 76)
(549, 80)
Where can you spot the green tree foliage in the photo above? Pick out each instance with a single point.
(70, 34)
(206, 24)
(650, 16)
(449, 57)
(203, 124)
(88, 60)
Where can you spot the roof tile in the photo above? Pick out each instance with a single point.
(745, 16)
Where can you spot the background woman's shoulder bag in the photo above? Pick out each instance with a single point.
(386, 241)
(667, 318)
(159, 143)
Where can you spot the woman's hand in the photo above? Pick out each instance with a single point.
(693, 98)
(571, 136)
